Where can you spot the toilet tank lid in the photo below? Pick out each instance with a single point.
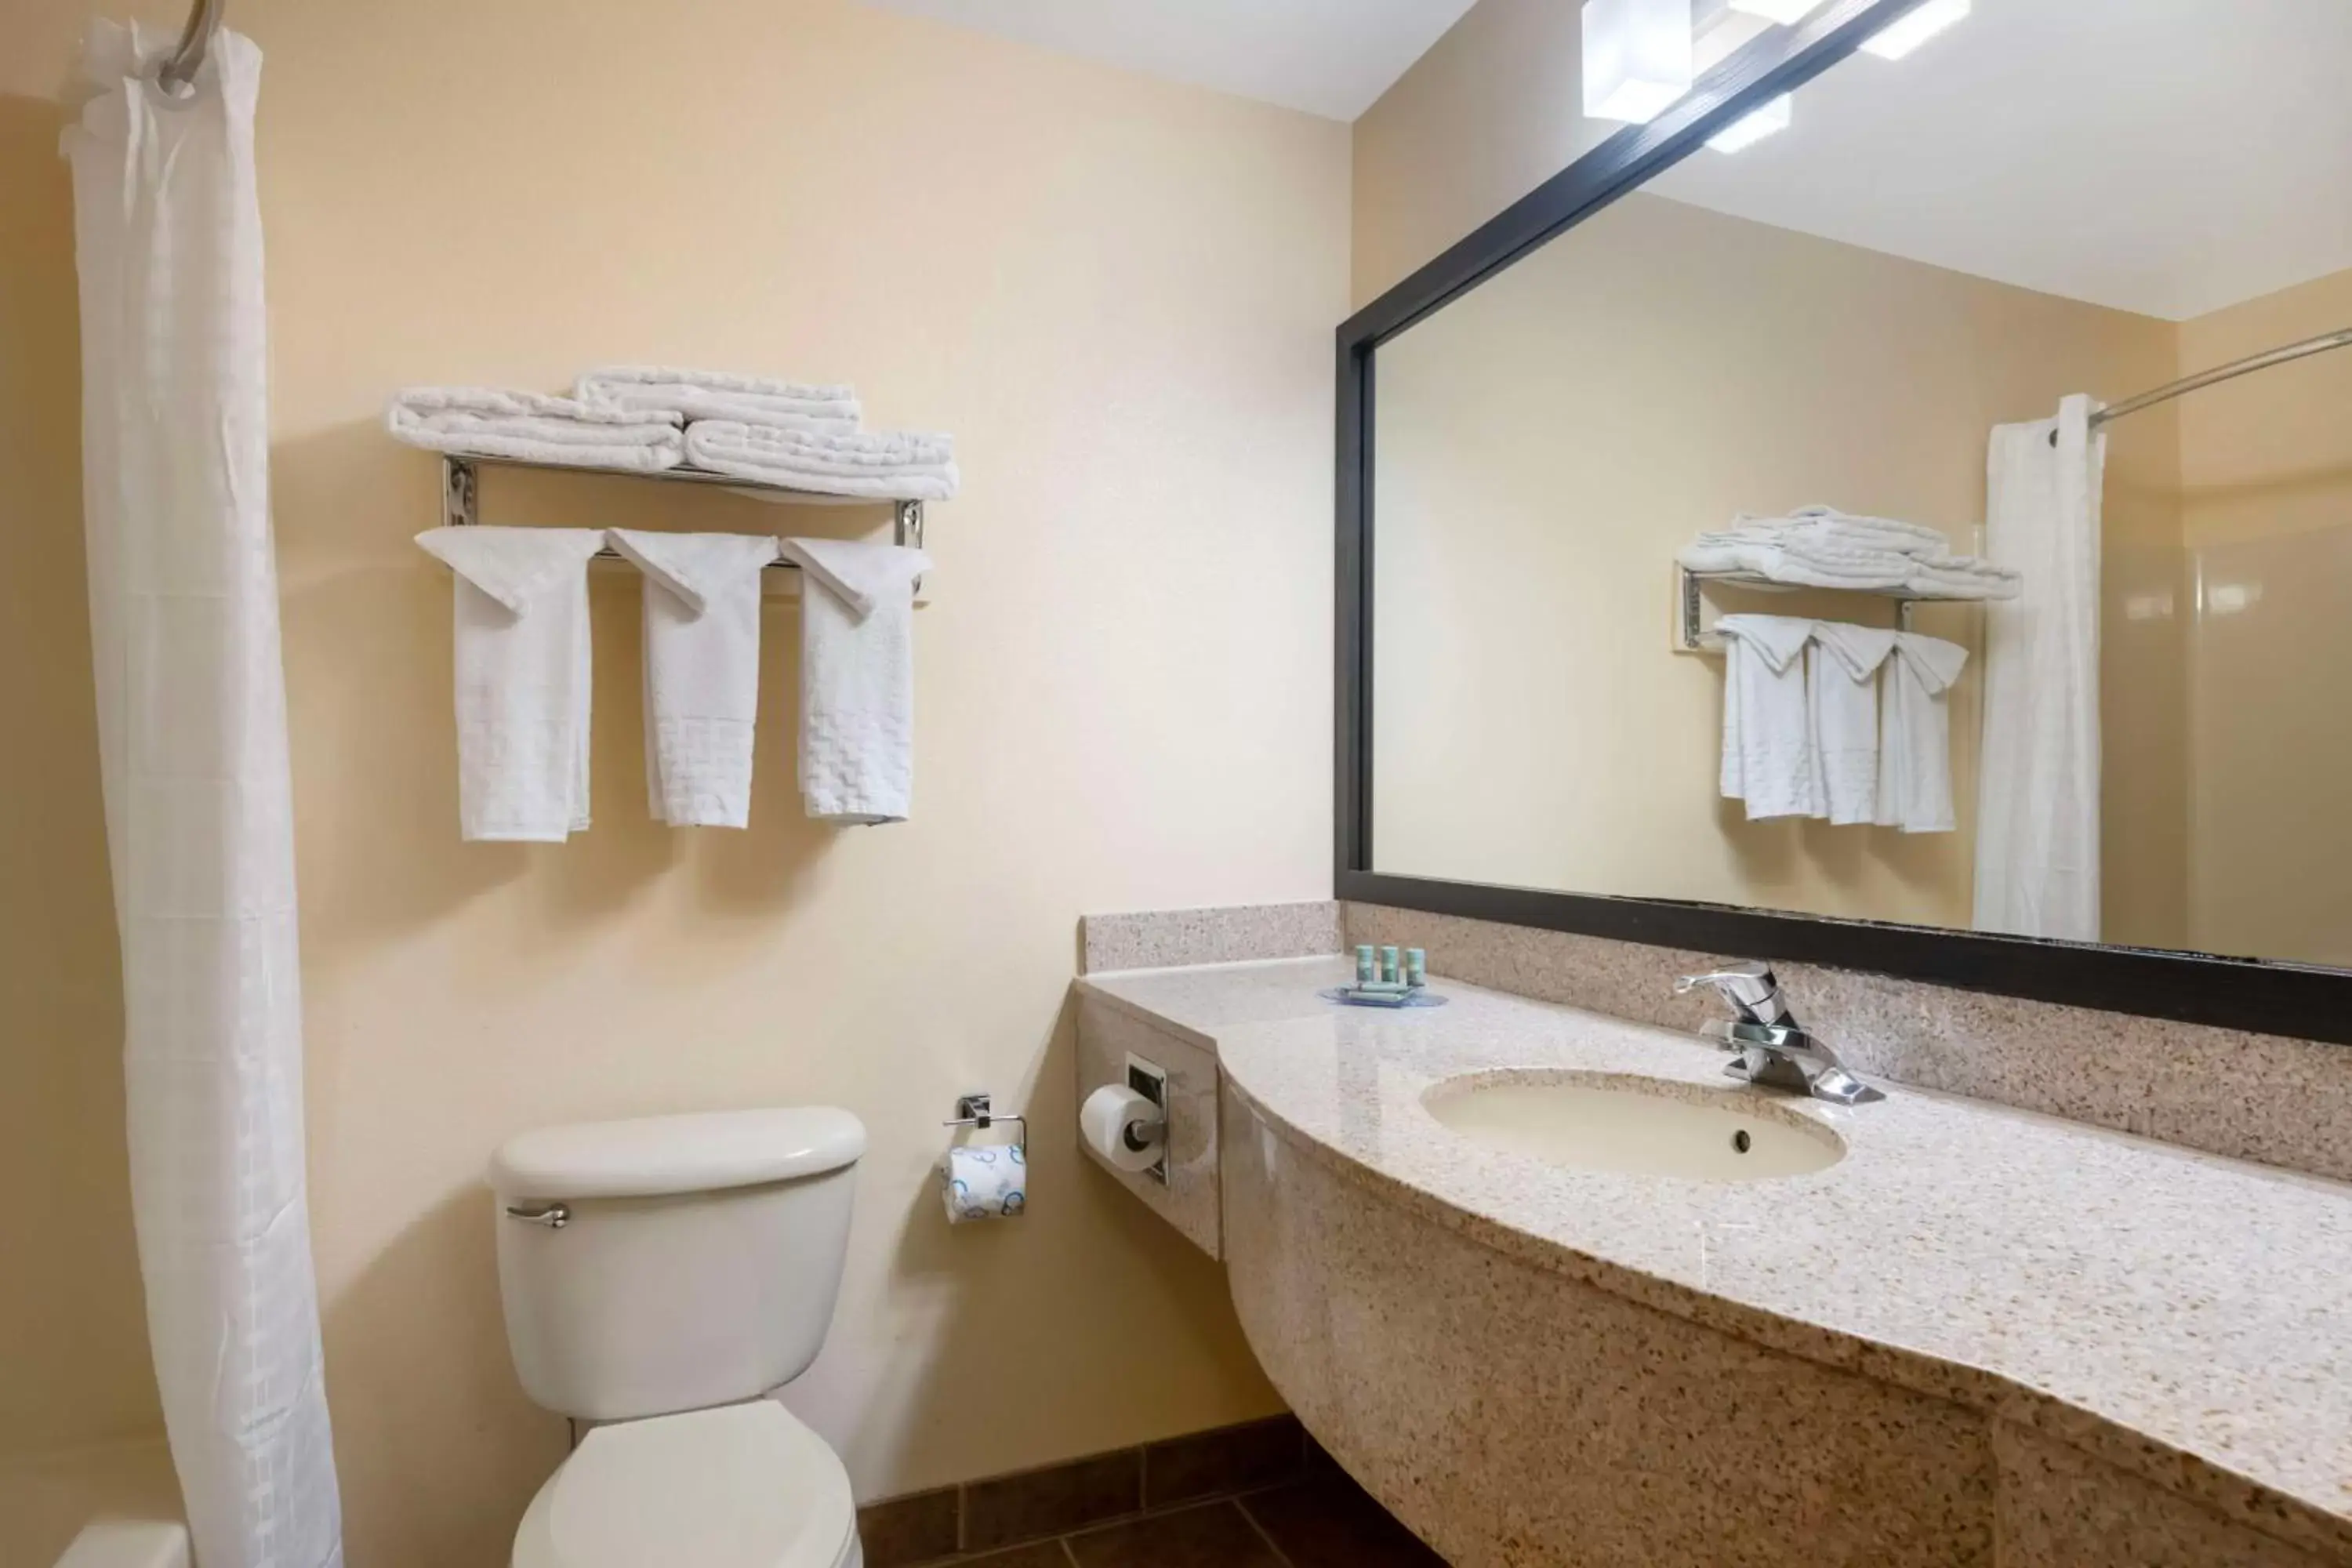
(655, 1155)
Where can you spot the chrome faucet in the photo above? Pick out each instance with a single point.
(1773, 1050)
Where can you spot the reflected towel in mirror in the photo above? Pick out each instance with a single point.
(1915, 734)
(1842, 676)
(1767, 755)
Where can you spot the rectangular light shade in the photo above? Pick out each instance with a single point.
(1638, 58)
(1900, 37)
(1788, 13)
(1751, 129)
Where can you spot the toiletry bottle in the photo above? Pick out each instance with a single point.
(1416, 968)
(1367, 964)
(1389, 970)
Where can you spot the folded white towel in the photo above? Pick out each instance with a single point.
(1830, 553)
(857, 677)
(1820, 549)
(1835, 531)
(1858, 536)
(876, 464)
(719, 394)
(1886, 533)
(1820, 543)
(1841, 691)
(1963, 577)
(480, 422)
(702, 670)
(1813, 568)
(521, 617)
(1768, 758)
(1915, 754)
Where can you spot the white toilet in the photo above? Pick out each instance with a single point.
(660, 1273)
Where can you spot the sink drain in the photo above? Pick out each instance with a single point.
(1741, 1141)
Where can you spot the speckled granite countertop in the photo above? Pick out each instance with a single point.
(2187, 1316)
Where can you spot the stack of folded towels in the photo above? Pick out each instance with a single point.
(648, 418)
(1821, 547)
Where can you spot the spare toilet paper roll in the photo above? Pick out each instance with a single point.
(989, 1182)
(1123, 1127)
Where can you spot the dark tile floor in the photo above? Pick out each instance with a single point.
(1321, 1520)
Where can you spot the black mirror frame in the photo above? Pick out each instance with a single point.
(2231, 992)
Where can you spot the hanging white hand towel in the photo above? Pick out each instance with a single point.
(521, 614)
(1915, 752)
(1767, 759)
(702, 670)
(1841, 688)
(857, 677)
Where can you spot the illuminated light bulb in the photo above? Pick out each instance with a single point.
(1788, 13)
(1638, 58)
(1751, 129)
(1901, 36)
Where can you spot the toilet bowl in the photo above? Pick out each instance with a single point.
(746, 1486)
(659, 1275)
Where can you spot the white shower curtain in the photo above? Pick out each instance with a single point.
(192, 740)
(2038, 799)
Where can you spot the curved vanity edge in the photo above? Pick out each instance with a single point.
(1199, 1002)
(1771, 1329)
(2241, 1498)
(1263, 1022)
(1088, 986)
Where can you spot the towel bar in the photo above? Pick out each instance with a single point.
(461, 493)
(1691, 636)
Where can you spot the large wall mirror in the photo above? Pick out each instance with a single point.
(1793, 529)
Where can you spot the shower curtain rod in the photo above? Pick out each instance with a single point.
(2231, 371)
(203, 21)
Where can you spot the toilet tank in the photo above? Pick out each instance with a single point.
(672, 1263)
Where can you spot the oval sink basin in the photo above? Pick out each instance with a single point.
(1636, 1126)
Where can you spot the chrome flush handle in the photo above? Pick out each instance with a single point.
(554, 1216)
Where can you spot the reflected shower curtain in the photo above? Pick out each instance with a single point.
(2038, 798)
(191, 741)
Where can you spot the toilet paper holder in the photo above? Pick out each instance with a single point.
(974, 1110)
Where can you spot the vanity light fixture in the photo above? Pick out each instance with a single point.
(1638, 58)
(1914, 28)
(1788, 13)
(1751, 129)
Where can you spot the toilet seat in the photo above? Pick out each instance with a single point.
(745, 1486)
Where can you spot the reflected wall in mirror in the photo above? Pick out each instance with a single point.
(1880, 310)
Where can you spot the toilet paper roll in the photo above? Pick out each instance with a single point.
(1123, 1127)
(989, 1182)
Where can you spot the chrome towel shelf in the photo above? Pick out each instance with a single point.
(1691, 635)
(461, 494)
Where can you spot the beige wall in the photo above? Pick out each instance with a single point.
(1548, 442)
(1117, 293)
(2266, 465)
(1487, 115)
